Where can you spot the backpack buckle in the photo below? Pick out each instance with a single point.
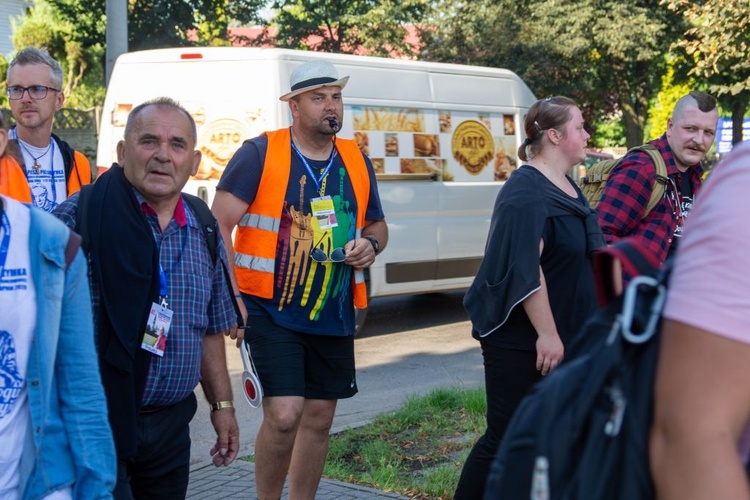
(637, 288)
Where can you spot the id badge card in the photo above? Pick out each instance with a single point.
(322, 209)
(157, 329)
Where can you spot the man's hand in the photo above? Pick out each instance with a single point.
(238, 333)
(359, 253)
(227, 436)
(549, 352)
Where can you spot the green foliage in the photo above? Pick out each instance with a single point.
(418, 450)
(608, 55)
(44, 26)
(347, 26)
(608, 133)
(3, 84)
(661, 109)
(74, 32)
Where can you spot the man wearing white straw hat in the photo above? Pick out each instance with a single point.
(309, 221)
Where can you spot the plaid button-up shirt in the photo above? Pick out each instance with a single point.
(198, 295)
(626, 196)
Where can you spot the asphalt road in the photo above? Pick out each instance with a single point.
(409, 345)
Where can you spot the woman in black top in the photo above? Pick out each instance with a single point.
(535, 287)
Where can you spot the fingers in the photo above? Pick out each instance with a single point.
(227, 437)
(360, 253)
(239, 336)
(545, 363)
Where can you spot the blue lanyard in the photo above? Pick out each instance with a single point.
(164, 276)
(323, 174)
(5, 243)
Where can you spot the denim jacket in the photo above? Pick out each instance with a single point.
(70, 441)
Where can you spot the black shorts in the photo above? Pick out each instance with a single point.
(290, 363)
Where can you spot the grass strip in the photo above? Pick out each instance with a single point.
(417, 451)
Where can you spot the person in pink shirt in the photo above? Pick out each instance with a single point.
(699, 440)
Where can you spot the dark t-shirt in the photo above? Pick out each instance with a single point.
(309, 297)
(568, 275)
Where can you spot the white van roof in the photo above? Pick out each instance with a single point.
(431, 84)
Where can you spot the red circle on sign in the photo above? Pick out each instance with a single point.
(250, 389)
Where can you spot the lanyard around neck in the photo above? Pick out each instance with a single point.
(5, 244)
(164, 275)
(319, 179)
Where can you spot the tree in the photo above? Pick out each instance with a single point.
(163, 23)
(606, 54)
(374, 27)
(74, 33)
(43, 26)
(717, 43)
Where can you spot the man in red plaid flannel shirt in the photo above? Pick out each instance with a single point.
(690, 132)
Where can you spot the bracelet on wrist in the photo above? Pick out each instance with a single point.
(221, 404)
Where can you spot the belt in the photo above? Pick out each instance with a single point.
(152, 409)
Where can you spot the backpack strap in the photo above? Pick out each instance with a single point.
(74, 243)
(207, 222)
(632, 259)
(82, 220)
(660, 182)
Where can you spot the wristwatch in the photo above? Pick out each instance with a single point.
(375, 244)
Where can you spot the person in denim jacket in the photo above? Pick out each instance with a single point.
(56, 440)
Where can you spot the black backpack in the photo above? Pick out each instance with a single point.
(582, 432)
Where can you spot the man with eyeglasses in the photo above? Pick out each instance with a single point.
(309, 221)
(49, 165)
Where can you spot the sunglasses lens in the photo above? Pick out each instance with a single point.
(318, 255)
(338, 255)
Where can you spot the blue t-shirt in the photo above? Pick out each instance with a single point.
(309, 296)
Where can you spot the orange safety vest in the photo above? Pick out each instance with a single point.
(13, 182)
(258, 230)
(78, 175)
(81, 171)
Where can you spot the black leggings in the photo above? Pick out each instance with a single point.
(509, 374)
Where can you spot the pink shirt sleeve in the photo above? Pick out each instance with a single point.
(710, 283)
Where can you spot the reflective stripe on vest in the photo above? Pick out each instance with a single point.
(256, 237)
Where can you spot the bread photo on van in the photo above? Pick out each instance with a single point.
(363, 142)
(426, 145)
(445, 122)
(391, 144)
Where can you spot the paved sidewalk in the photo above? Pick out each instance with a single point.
(238, 482)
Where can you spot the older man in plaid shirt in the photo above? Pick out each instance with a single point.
(690, 132)
(152, 276)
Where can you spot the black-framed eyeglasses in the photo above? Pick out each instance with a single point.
(337, 255)
(36, 92)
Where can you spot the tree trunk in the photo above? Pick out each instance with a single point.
(633, 127)
(739, 106)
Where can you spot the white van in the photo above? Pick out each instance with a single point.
(442, 138)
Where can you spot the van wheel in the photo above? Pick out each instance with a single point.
(361, 314)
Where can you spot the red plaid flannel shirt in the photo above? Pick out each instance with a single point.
(626, 196)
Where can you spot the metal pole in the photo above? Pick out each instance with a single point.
(117, 33)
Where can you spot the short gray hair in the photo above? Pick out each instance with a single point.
(32, 55)
(160, 102)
